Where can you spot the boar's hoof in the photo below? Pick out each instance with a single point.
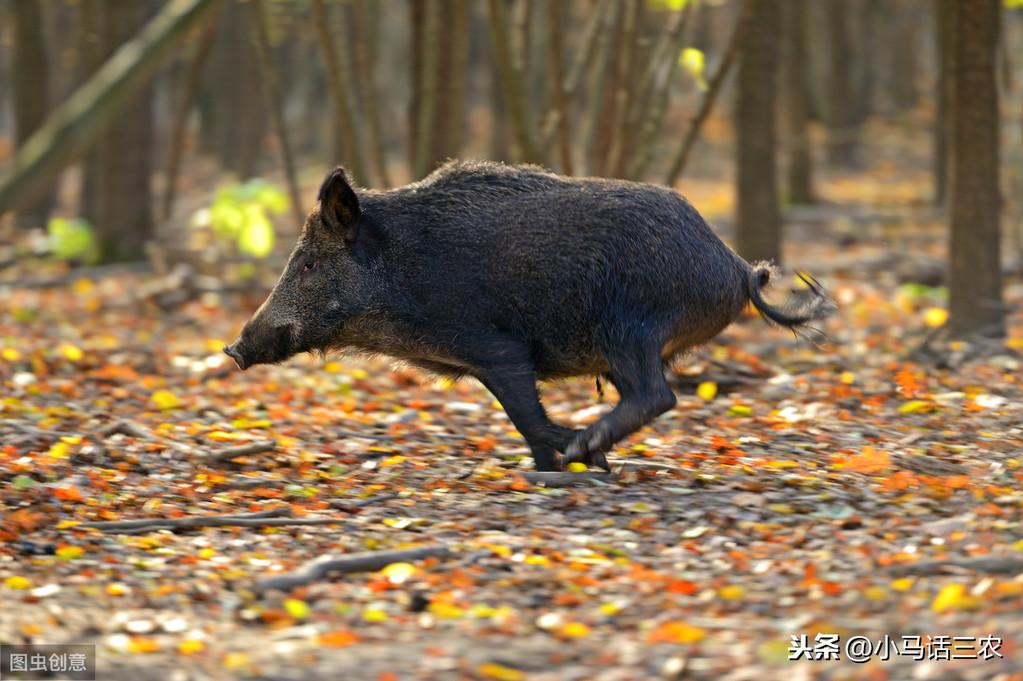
(588, 447)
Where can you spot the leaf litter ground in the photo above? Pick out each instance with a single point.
(868, 487)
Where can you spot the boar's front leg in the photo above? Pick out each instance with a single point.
(639, 378)
(514, 386)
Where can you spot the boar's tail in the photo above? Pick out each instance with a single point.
(818, 306)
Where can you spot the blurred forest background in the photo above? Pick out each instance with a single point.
(156, 163)
(128, 127)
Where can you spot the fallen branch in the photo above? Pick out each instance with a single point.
(272, 518)
(132, 429)
(560, 479)
(228, 453)
(992, 564)
(328, 567)
(624, 464)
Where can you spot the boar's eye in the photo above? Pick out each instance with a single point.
(310, 265)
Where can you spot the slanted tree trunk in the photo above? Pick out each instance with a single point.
(842, 111)
(559, 98)
(512, 81)
(121, 205)
(31, 82)
(758, 229)
(975, 285)
(365, 52)
(796, 89)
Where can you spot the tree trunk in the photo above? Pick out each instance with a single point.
(904, 66)
(842, 110)
(944, 22)
(975, 284)
(429, 85)
(364, 61)
(511, 80)
(30, 81)
(232, 128)
(559, 98)
(121, 208)
(346, 143)
(758, 230)
(797, 103)
(452, 76)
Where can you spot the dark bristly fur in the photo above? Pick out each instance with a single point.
(512, 274)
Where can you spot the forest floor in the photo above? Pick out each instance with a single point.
(869, 487)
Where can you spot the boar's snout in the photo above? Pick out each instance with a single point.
(261, 344)
(234, 353)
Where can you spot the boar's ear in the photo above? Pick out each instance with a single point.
(339, 206)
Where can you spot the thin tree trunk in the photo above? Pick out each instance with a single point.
(559, 98)
(575, 75)
(743, 26)
(124, 207)
(364, 66)
(30, 78)
(944, 21)
(452, 65)
(417, 16)
(904, 66)
(758, 228)
(429, 73)
(975, 284)
(346, 143)
(598, 80)
(797, 104)
(177, 146)
(843, 112)
(511, 81)
(621, 130)
(274, 102)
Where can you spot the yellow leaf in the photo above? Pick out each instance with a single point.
(18, 582)
(676, 632)
(903, 585)
(493, 670)
(875, 593)
(398, 573)
(954, 597)
(707, 390)
(1018, 546)
(116, 589)
(740, 410)
(536, 559)
(575, 630)
(235, 661)
(374, 615)
(577, 467)
(935, 317)
(191, 646)
(165, 399)
(69, 552)
(207, 553)
(297, 608)
(445, 610)
(848, 377)
(393, 460)
(71, 352)
(691, 59)
(141, 644)
(59, 450)
(732, 592)
(10, 354)
(917, 406)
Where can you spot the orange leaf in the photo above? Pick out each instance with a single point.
(339, 638)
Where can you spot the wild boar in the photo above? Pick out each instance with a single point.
(512, 274)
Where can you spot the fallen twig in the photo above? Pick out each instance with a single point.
(992, 564)
(559, 479)
(328, 567)
(277, 517)
(228, 453)
(623, 464)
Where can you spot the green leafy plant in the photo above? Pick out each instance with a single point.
(240, 215)
(72, 240)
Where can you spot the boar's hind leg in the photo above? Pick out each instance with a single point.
(639, 378)
(514, 386)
